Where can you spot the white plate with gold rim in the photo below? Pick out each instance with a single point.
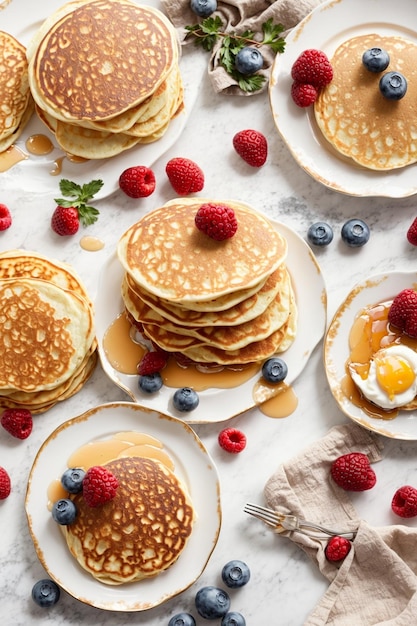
(34, 174)
(373, 290)
(193, 466)
(328, 26)
(217, 405)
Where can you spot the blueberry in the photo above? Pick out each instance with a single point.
(151, 382)
(235, 574)
(72, 479)
(233, 619)
(355, 233)
(393, 85)
(375, 59)
(203, 8)
(182, 619)
(45, 593)
(249, 60)
(212, 602)
(186, 399)
(320, 234)
(64, 511)
(274, 370)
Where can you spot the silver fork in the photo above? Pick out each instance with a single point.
(282, 522)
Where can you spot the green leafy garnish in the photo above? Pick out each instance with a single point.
(80, 195)
(209, 32)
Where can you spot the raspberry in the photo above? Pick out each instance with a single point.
(218, 221)
(5, 484)
(404, 502)
(65, 221)
(251, 146)
(337, 548)
(232, 440)
(99, 486)
(353, 472)
(312, 67)
(185, 176)
(5, 217)
(403, 312)
(137, 181)
(152, 362)
(303, 94)
(17, 422)
(412, 233)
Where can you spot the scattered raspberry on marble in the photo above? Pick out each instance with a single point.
(353, 472)
(5, 484)
(404, 502)
(218, 221)
(403, 312)
(99, 486)
(232, 440)
(337, 549)
(137, 181)
(412, 233)
(252, 146)
(185, 176)
(17, 422)
(5, 217)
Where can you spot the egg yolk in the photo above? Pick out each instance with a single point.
(394, 374)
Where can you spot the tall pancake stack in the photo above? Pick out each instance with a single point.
(16, 101)
(47, 336)
(209, 302)
(104, 75)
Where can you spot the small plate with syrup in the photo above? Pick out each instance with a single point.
(373, 294)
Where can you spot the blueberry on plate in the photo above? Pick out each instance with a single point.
(375, 59)
(233, 619)
(203, 8)
(212, 602)
(274, 370)
(235, 574)
(186, 399)
(64, 511)
(72, 479)
(393, 85)
(320, 234)
(355, 233)
(45, 593)
(182, 619)
(249, 60)
(151, 383)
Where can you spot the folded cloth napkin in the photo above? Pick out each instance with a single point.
(376, 584)
(238, 16)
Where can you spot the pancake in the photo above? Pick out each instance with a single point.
(169, 257)
(356, 119)
(138, 534)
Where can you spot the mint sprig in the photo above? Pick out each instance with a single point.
(209, 32)
(79, 196)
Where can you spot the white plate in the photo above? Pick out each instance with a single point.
(193, 465)
(378, 288)
(21, 20)
(329, 25)
(217, 405)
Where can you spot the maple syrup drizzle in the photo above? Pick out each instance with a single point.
(91, 244)
(39, 145)
(10, 157)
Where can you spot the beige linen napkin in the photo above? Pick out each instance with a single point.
(238, 16)
(376, 584)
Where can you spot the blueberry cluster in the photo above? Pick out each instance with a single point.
(184, 399)
(64, 510)
(392, 85)
(354, 233)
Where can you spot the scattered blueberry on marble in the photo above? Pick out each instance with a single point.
(274, 370)
(375, 59)
(203, 8)
(186, 399)
(249, 60)
(393, 85)
(212, 602)
(72, 479)
(64, 511)
(320, 234)
(45, 593)
(235, 573)
(355, 233)
(151, 383)
(233, 619)
(182, 619)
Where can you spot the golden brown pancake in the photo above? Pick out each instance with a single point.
(356, 119)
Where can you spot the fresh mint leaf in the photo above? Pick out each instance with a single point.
(79, 197)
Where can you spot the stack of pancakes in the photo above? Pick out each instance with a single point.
(356, 119)
(209, 302)
(138, 534)
(104, 75)
(47, 337)
(16, 101)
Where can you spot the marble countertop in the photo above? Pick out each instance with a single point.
(285, 586)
